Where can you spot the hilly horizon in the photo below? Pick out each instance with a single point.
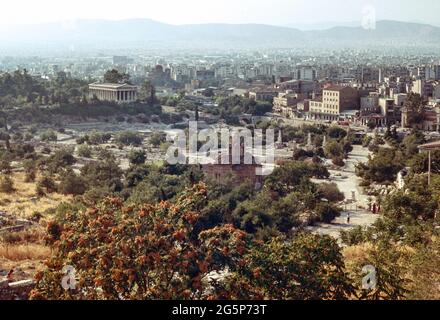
(146, 33)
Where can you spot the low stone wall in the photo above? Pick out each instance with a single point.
(19, 290)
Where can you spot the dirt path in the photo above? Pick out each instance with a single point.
(348, 183)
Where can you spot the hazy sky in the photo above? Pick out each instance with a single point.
(276, 12)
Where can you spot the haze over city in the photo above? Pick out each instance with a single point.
(275, 12)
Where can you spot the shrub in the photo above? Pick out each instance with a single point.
(49, 136)
(128, 138)
(338, 161)
(327, 213)
(7, 185)
(47, 183)
(72, 184)
(330, 191)
(137, 157)
(84, 151)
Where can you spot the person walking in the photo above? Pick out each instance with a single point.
(348, 217)
(10, 275)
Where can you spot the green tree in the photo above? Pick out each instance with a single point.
(128, 138)
(47, 183)
(308, 267)
(84, 151)
(114, 76)
(390, 273)
(72, 184)
(148, 93)
(49, 136)
(415, 106)
(137, 157)
(6, 184)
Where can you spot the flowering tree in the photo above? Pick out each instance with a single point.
(154, 251)
(150, 252)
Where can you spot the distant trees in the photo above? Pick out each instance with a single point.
(157, 139)
(30, 169)
(333, 149)
(114, 76)
(6, 184)
(5, 166)
(337, 133)
(331, 192)
(415, 106)
(148, 93)
(49, 136)
(58, 162)
(128, 138)
(104, 174)
(289, 177)
(383, 168)
(84, 151)
(47, 184)
(97, 138)
(236, 105)
(94, 138)
(137, 157)
(72, 184)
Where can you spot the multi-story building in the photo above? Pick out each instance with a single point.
(431, 119)
(285, 104)
(335, 100)
(298, 86)
(436, 91)
(423, 88)
(369, 104)
(400, 98)
(263, 95)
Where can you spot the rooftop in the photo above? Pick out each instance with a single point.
(430, 146)
(112, 85)
(335, 88)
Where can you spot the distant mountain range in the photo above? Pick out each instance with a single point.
(145, 33)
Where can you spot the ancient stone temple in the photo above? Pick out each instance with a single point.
(116, 92)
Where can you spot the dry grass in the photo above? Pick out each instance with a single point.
(356, 253)
(22, 252)
(23, 202)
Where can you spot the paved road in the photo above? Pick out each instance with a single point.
(347, 183)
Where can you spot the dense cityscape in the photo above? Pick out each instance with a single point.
(338, 202)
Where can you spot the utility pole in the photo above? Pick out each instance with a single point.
(429, 168)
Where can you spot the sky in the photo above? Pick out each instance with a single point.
(275, 12)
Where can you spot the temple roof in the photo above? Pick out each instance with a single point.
(111, 86)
